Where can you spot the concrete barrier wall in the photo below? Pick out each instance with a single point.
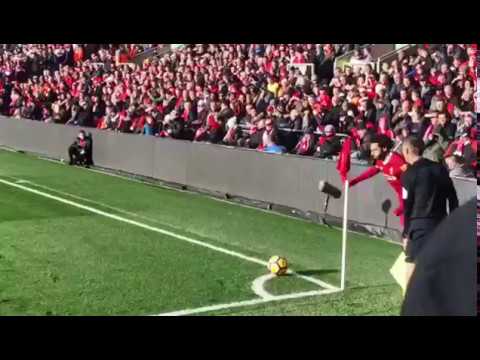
(285, 180)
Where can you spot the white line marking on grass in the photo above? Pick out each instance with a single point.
(126, 212)
(258, 286)
(8, 149)
(161, 231)
(250, 302)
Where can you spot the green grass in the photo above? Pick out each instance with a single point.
(60, 260)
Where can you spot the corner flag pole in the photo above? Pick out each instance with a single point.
(344, 236)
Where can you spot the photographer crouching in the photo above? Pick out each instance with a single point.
(80, 152)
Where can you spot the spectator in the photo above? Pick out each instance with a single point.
(214, 125)
(77, 83)
(329, 144)
(435, 145)
(233, 132)
(361, 141)
(382, 110)
(400, 135)
(457, 167)
(306, 145)
(295, 121)
(402, 114)
(255, 139)
(465, 145)
(448, 127)
(384, 128)
(46, 116)
(418, 125)
(149, 127)
(270, 135)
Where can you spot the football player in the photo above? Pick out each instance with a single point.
(390, 163)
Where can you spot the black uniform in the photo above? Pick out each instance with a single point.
(426, 189)
(444, 281)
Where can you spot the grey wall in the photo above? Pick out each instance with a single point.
(285, 180)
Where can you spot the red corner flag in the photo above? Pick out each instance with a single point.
(343, 165)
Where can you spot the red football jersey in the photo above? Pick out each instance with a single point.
(392, 168)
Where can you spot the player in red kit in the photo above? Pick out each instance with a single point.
(390, 163)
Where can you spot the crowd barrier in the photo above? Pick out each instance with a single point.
(285, 180)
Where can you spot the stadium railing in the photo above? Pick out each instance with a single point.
(409, 49)
(377, 51)
(155, 51)
(307, 69)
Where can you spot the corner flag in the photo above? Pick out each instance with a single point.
(343, 165)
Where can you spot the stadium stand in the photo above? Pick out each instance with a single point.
(271, 97)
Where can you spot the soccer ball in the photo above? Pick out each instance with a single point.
(278, 265)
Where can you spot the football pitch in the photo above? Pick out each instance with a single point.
(75, 241)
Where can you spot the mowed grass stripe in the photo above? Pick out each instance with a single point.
(309, 247)
(83, 264)
(246, 230)
(145, 226)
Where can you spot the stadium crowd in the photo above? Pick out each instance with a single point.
(253, 95)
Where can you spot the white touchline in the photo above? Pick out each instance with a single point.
(20, 181)
(249, 302)
(162, 231)
(3, 147)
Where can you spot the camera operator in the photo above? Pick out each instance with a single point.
(80, 152)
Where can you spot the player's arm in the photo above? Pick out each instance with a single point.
(369, 173)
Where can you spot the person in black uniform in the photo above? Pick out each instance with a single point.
(426, 188)
(444, 282)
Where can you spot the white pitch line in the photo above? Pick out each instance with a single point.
(258, 286)
(249, 302)
(20, 181)
(126, 212)
(8, 149)
(162, 231)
